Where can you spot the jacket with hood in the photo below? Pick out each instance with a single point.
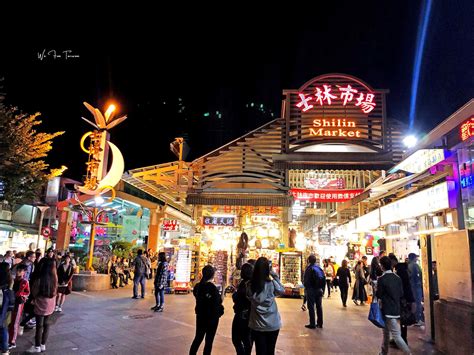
(264, 315)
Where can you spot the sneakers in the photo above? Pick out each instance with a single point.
(59, 309)
(5, 352)
(159, 309)
(135, 297)
(34, 349)
(11, 346)
(43, 348)
(419, 324)
(355, 302)
(303, 308)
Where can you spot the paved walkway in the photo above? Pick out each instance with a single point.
(111, 322)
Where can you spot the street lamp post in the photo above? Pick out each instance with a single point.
(42, 211)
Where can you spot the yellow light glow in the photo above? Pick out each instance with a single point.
(83, 139)
(109, 112)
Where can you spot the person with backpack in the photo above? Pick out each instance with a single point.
(21, 289)
(208, 310)
(314, 284)
(8, 303)
(240, 325)
(142, 269)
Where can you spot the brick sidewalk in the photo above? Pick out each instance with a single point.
(111, 322)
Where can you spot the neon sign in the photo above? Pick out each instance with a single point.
(467, 129)
(321, 128)
(347, 94)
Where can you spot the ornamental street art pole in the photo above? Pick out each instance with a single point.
(98, 179)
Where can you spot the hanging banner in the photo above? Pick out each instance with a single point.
(323, 183)
(324, 195)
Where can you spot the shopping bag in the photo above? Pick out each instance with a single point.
(375, 314)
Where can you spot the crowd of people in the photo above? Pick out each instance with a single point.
(33, 288)
(396, 285)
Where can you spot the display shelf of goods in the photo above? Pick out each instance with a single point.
(219, 261)
(290, 273)
(183, 270)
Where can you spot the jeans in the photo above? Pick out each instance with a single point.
(344, 291)
(204, 328)
(315, 296)
(139, 279)
(265, 342)
(328, 283)
(392, 328)
(160, 296)
(4, 342)
(42, 330)
(241, 336)
(418, 294)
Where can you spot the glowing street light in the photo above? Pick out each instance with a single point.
(410, 141)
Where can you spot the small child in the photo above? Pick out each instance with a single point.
(21, 288)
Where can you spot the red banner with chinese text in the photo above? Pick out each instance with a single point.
(324, 195)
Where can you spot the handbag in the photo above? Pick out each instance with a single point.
(375, 314)
(407, 316)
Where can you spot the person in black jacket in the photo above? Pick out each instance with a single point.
(390, 292)
(314, 284)
(407, 316)
(208, 310)
(344, 280)
(240, 325)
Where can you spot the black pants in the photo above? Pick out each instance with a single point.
(28, 310)
(315, 297)
(265, 342)
(204, 328)
(344, 291)
(404, 329)
(328, 283)
(241, 336)
(114, 279)
(42, 330)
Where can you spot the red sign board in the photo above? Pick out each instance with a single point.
(467, 129)
(324, 195)
(171, 225)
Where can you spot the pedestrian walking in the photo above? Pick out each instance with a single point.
(208, 310)
(114, 276)
(344, 280)
(44, 290)
(329, 273)
(21, 290)
(241, 337)
(161, 281)
(142, 268)
(390, 292)
(314, 284)
(264, 321)
(359, 294)
(65, 273)
(7, 306)
(416, 282)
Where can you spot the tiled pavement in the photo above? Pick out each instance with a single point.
(111, 322)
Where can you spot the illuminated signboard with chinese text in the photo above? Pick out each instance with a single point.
(323, 96)
(336, 107)
(315, 183)
(324, 195)
(219, 221)
(171, 225)
(467, 129)
(420, 161)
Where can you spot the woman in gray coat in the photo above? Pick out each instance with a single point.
(265, 321)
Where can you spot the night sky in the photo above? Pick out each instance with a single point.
(199, 75)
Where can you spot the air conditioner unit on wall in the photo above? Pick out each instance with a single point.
(5, 215)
